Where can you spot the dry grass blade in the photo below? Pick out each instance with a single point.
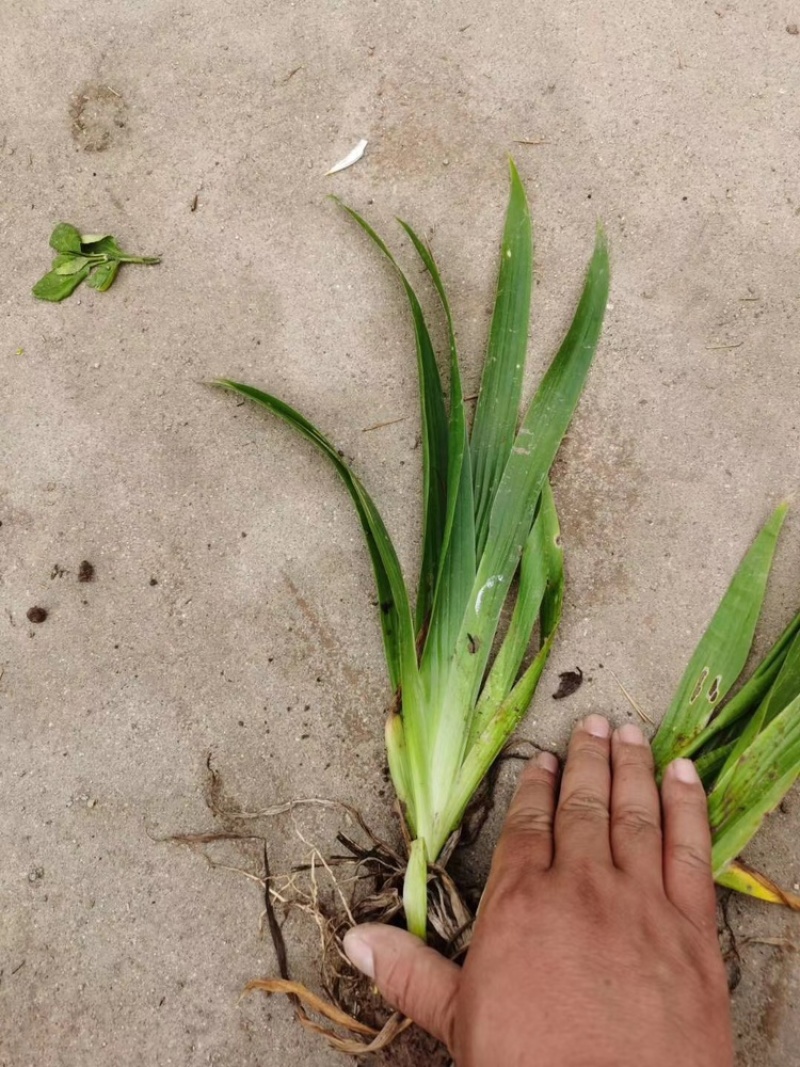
(745, 879)
(636, 707)
(379, 1039)
(772, 942)
(315, 1003)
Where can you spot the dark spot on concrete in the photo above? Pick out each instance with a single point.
(793, 29)
(154, 581)
(569, 683)
(36, 614)
(97, 114)
(58, 571)
(85, 571)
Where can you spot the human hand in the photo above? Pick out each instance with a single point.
(596, 942)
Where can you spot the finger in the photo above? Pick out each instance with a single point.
(687, 844)
(582, 815)
(412, 977)
(636, 843)
(527, 836)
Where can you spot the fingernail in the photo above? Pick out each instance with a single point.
(630, 734)
(596, 725)
(547, 761)
(359, 951)
(684, 770)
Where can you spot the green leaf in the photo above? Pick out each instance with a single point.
(745, 702)
(532, 584)
(55, 287)
(94, 238)
(65, 238)
(457, 559)
(540, 593)
(553, 599)
(71, 264)
(397, 755)
(514, 504)
(415, 889)
(107, 246)
(395, 610)
(434, 438)
(496, 415)
(488, 745)
(394, 606)
(722, 653)
(102, 245)
(783, 691)
(710, 763)
(754, 786)
(103, 277)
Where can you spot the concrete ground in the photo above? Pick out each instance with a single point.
(230, 611)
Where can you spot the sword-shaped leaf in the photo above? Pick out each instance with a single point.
(457, 560)
(722, 653)
(513, 509)
(754, 786)
(497, 413)
(434, 438)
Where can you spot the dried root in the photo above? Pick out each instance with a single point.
(362, 883)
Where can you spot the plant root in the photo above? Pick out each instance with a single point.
(363, 882)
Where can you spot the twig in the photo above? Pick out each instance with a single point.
(541, 141)
(275, 931)
(639, 711)
(722, 348)
(380, 425)
(774, 942)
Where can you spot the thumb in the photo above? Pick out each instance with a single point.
(414, 978)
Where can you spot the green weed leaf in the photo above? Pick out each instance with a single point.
(721, 655)
(55, 287)
(103, 277)
(65, 238)
(70, 264)
(106, 245)
(78, 256)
